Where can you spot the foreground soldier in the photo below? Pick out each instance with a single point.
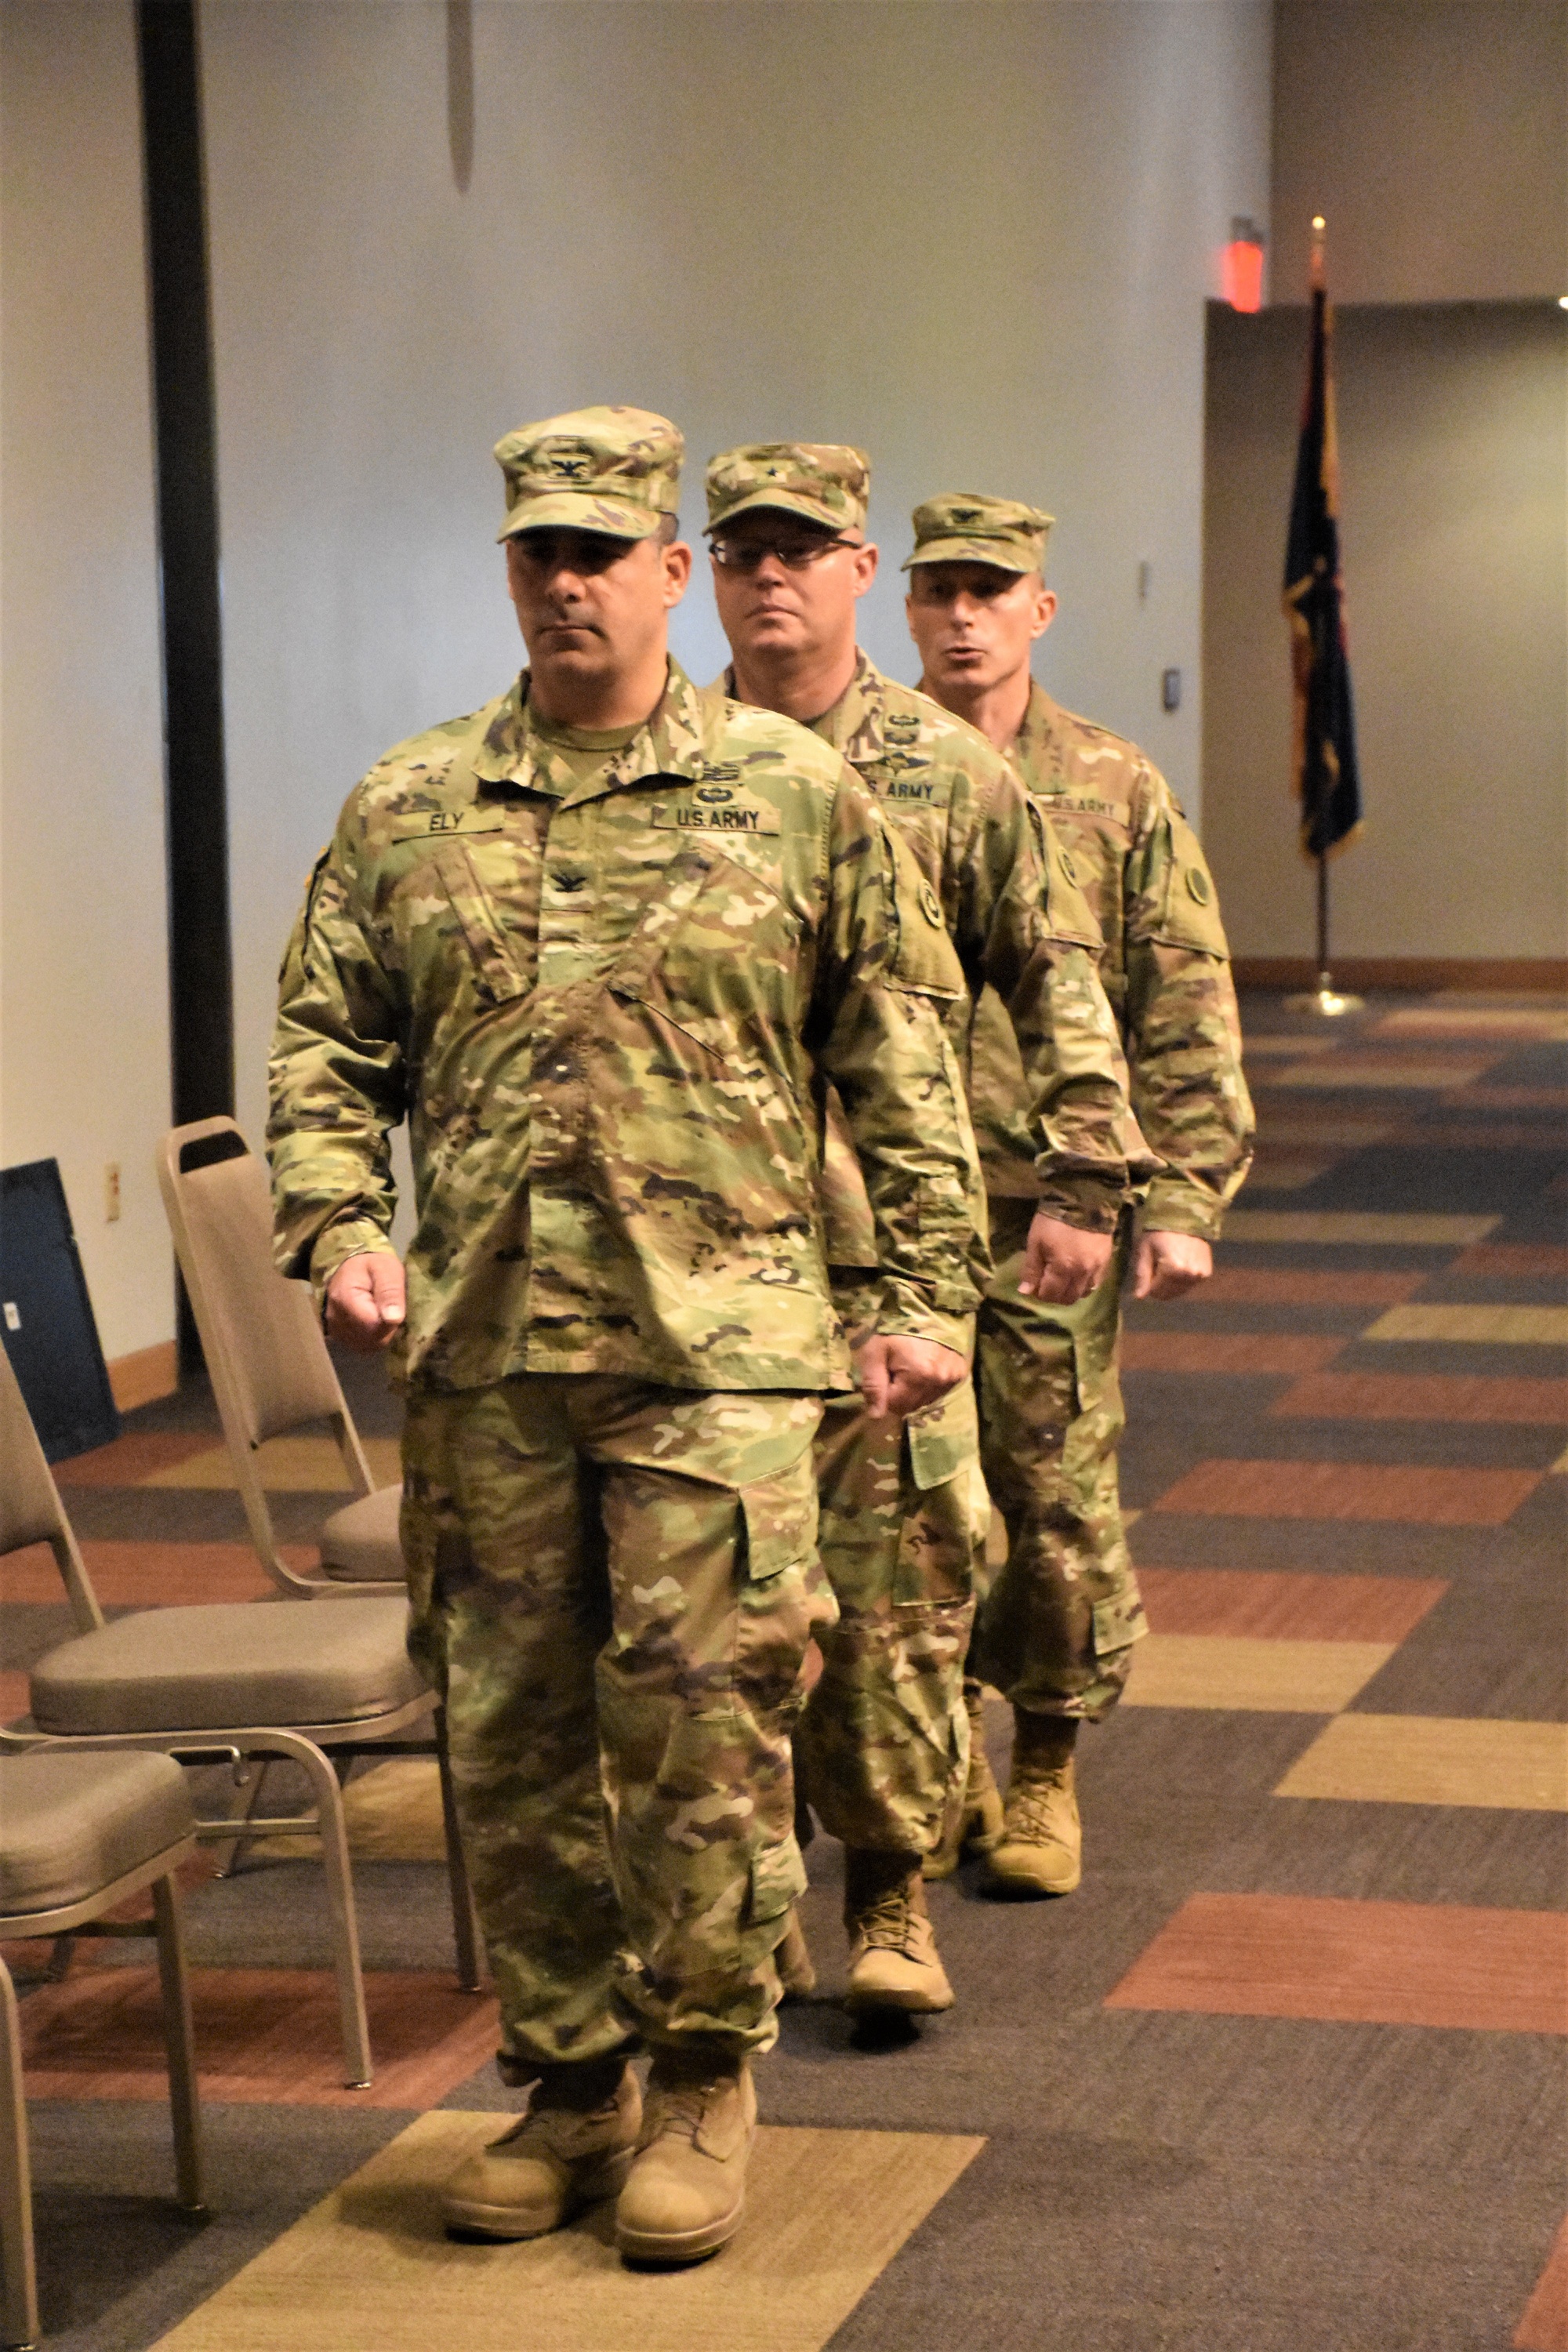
(1056, 1632)
(883, 1736)
(600, 945)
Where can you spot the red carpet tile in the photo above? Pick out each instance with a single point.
(1228, 1351)
(1365, 1963)
(1433, 1396)
(1268, 1286)
(1351, 1490)
(1514, 1261)
(1278, 1605)
(1544, 2327)
(129, 1459)
(150, 1575)
(263, 2036)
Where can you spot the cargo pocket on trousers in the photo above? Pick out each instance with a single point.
(1118, 1623)
(778, 1879)
(779, 1521)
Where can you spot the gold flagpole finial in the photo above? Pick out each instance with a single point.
(1318, 229)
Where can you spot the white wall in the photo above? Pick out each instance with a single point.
(974, 236)
(1453, 443)
(1432, 137)
(84, 1052)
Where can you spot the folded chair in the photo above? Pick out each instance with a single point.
(224, 1682)
(78, 1836)
(270, 1370)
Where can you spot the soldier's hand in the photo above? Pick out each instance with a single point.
(899, 1376)
(1061, 1262)
(1167, 1266)
(366, 1298)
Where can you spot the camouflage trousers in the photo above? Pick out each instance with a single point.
(615, 1586)
(1057, 1628)
(884, 1739)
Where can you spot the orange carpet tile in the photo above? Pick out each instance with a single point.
(1369, 1963)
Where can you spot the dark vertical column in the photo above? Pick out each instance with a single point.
(201, 986)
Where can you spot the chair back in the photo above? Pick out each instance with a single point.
(265, 1352)
(30, 1507)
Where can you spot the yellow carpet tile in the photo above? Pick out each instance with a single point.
(370, 2266)
(1545, 1025)
(393, 1813)
(1412, 1760)
(1394, 1076)
(289, 1466)
(1492, 1327)
(1357, 1228)
(1250, 1676)
(1285, 1172)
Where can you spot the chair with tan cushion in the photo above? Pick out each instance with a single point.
(225, 1681)
(270, 1370)
(78, 1834)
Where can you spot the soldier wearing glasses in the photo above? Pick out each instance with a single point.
(883, 1741)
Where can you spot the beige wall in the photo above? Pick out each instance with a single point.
(1432, 137)
(84, 1059)
(1454, 434)
(975, 238)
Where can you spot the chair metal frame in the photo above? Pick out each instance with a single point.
(20, 2304)
(41, 1517)
(316, 1369)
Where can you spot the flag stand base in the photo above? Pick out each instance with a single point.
(1326, 1000)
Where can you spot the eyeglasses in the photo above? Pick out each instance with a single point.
(796, 555)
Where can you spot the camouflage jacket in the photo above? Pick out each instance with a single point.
(1025, 934)
(609, 1010)
(1166, 969)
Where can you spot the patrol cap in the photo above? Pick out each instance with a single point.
(826, 481)
(962, 526)
(616, 470)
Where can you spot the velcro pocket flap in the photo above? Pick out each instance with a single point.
(498, 976)
(942, 1441)
(778, 1879)
(1188, 906)
(780, 1514)
(1118, 1623)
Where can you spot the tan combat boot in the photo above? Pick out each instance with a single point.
(573, 2148)
(975, 1827)
(893, 1959)
(791, 1958)
(1041, 1850)
(688, 2186)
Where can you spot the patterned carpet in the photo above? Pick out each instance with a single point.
(1284, 2076)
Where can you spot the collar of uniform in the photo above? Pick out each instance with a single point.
(854, 724)
(671, 744)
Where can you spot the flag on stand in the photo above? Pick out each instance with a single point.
(1324, 763)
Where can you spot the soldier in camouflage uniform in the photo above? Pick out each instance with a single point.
(883, 1739)
(603, 947)
(1056, 1633)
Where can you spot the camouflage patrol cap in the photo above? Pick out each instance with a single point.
(616, 470)
(826, 481)
(962, 526)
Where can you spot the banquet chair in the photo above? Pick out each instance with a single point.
(78, 1835)
(270, 1370)
(225, 1681)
